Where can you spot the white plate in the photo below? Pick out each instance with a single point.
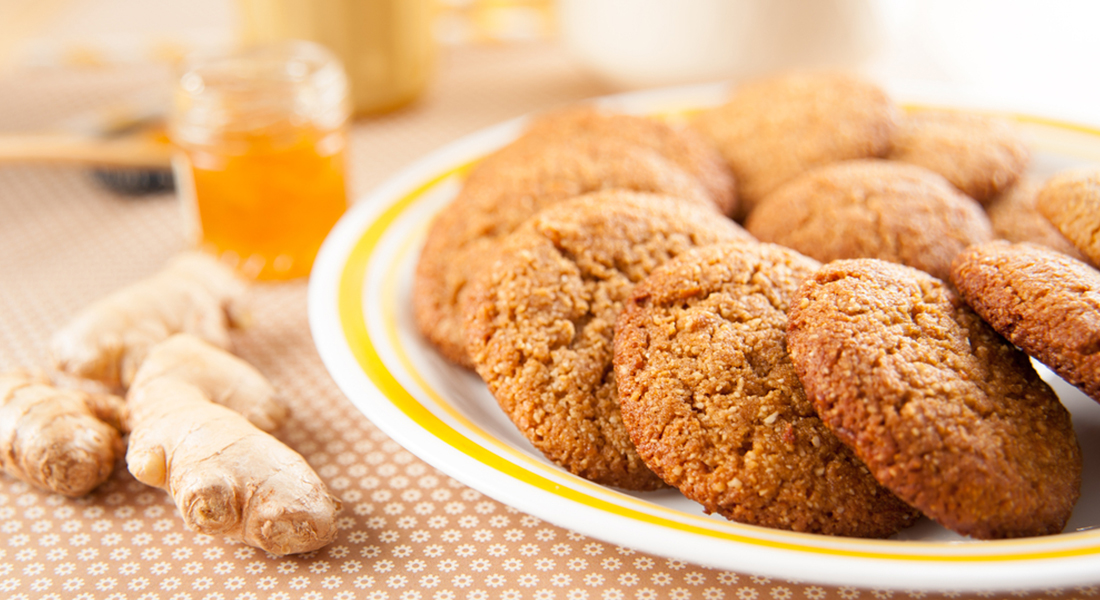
(360, 315)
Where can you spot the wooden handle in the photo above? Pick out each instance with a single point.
(132, 151)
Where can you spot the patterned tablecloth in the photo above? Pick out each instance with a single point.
(407, 531)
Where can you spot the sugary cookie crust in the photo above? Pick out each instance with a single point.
(681, 145)
(714, 406)
(774, 129)
(1071, 201)
(506, 189)
(541, 321)
(1045, 303)
(943, 411)
(981, 155)
(872, 209)
(1016, 218)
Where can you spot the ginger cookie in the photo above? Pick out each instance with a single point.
(541, 320)
(1016, 218)
(872, 209)
(1044, 302)
(1071, 201)
(714, 406)
(982, 155)
(506, 189)
(681, 145)
(774, 129)
(945, 413)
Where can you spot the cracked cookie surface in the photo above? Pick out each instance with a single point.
(945, 413)
(541, 321)
(872, 209)
(1044, 302)
(714, 406)
(773, 129)
(537, 171)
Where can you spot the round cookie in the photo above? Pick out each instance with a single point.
(944, 412)
(979, 154)
(681, 145)
(714, 406)
(541, 321)
(774, 129)
(872, 209)
(1016, 218)
(506, 189)
(1044, 302)
(1071, 201)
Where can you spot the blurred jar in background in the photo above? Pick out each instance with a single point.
(387, 46)
(261, 163)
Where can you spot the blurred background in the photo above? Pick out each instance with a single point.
(490, 60)
(1035, 51)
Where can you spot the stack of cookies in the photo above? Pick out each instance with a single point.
(793, 308)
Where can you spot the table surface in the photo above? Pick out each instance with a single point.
(407, 531)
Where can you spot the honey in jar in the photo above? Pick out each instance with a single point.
(261, 162)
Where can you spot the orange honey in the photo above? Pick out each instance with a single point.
(261, 161)
(268, 209)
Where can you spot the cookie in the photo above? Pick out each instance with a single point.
(681, 145)
(1071, 201)
(872, 209)
(945, 413)
(1016, 218)
(506, 189)
(714, 406)
(1044, 302)
(982, 155)
(541, 321)
(774, 129)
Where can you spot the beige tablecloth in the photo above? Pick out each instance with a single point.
(407, 531)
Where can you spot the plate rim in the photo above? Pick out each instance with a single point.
(335, 296)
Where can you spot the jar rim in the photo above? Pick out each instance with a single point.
(285, 61)
(264, 88)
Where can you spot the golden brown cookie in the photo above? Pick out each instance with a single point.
(714, 406)
(681, 145)
(541, 321)
(506, 189)
(774, 129)
(945, 413)
(982, 155)
(1071, 201)
(1044, 302)
(1016, 218)
(872, 209)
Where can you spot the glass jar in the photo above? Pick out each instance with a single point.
(261, 138)
(387, 46)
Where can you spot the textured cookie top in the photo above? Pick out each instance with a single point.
(1044, 302)
(872, 209)
(714, 406)
(682, 145)
(507, 188)
(1016, 218)
(945, 413)
(541, 321)
(773, 129)
(979, 154)
(1071, 201)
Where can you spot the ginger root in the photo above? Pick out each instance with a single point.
(223, 378)
(108, 340)
(65, 441)
(226, 476)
